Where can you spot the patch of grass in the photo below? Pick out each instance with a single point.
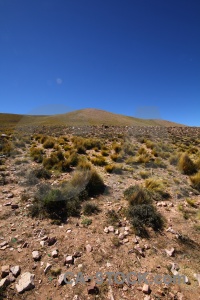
(144, 174)
(115, 241)
(186, 165)
(90, 209)
(115, 169)
(137, 195)
(112, 217)
(86, 222)
(195, 180)
(191, 202)
(49, 143)
(37, 154)
(99, 161)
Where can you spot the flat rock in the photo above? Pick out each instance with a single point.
(26, 282)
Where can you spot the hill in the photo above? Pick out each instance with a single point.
(81, 117)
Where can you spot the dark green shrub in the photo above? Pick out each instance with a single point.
(144, 215)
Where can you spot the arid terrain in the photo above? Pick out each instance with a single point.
(102, 197)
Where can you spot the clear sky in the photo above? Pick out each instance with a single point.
(137, 58)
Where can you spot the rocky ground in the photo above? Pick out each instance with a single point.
(35, 253)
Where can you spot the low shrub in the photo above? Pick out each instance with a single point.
(142, 216)
(99, 161)
(90, 209)
(49, 143)
(137, 195)
(115, 169)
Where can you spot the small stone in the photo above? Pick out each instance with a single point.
(15, 270)
(69, 259)
(54, 253)
(36, 255)
(106, 230)
(170, 252)
(10, 195)
(92, 289)
(111, 229)
(42, 243)
(3, 244)
(197, 276)
(48, 267)
(14, 206)
(121, 236)
(62, 279)
(4, 282)
(51, 241)
(5, 270)
(88, 248)
(146, 289)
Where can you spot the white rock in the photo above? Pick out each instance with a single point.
(26, 282)
(15, 270)
(170, 252)
(36, 255)
(197, 276)
(54, 253)
(61, 279)
(88, 248)
(146, 289)
(111, 229)
(69, 259)
(48, 267)
(106, 230)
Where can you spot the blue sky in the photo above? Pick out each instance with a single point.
(138, 58)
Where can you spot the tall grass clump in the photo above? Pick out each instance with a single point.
(186, 165)
(195, 180)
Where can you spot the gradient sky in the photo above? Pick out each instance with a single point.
(138, 58)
